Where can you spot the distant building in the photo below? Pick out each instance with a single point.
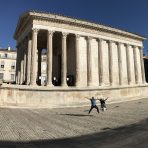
(7, 65)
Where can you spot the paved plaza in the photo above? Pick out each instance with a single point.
(123, 125)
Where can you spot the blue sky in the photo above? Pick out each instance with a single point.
(130, 15)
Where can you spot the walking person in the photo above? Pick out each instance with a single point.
(93, 104)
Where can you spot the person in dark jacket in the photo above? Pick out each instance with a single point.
(103, 103)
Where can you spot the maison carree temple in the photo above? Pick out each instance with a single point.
(83, 59)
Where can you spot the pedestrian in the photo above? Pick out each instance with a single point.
(93, 104)
(103, 103)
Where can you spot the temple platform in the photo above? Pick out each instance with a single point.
(60, 97)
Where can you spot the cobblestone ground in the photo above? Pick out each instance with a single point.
(123, 125)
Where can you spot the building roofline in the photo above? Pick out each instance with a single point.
(6, 50)
(78, 22)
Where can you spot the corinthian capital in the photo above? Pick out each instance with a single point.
(35, 30)
(50, 32)
(64, 34)
(77, 36)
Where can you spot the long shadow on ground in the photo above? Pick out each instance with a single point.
(134, 135)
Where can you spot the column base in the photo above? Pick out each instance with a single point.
(49, 85)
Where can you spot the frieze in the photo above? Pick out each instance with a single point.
(78, 23)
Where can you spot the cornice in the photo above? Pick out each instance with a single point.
(34, 15)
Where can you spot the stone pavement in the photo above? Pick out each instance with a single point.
(123, 125)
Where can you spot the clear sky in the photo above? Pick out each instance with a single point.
(130, 15)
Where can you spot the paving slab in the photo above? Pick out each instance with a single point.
(123, 125)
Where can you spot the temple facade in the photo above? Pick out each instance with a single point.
(79, 53)
(61, 61)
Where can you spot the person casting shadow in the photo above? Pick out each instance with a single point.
(93, 104)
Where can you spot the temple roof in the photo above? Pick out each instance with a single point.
(72, 21)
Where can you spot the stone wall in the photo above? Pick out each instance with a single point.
(41, 97)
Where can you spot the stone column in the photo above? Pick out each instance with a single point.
(110, 63)
(64, 60)
(39, 66)
(19, 64)
(22, 63)
(120, 64)
(89, 63)
(128, 64)
(24, 68)
(16, 70)
(142, 65)
(77, 83)
(49, 58)
(29, 60)
(100, 62)
(135, 65)
(34, 57)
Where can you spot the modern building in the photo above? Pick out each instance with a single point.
(84, 59)
(7, 65)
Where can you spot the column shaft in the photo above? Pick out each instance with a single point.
(39, 66)
(64, 61)
(77, 62)
(128, 64)
(89, 63)
(135, 65)
(120, 64)
(110, 63)
(34, 57)
(49, 58)
(142, 65)
(19, 63)
(24, 70)
(28, 60)
(16, 70)
(22, 63)
(100, 63)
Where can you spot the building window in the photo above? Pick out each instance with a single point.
(13, 65)
(1, 76)
(12, 77)
(5, 55)
(2, 64)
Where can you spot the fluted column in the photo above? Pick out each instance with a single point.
(22, 63)
(110, 63)
(34, 57)
(120, 63)
(135, 65)
(100, 62)
(77, 61)
(142, 65)
(89, 63)
(49, 57)
(64, 60)
(128, 64)
(19, 64)
(29, 60)
(39, 73)
(24, 66)
(16, 70)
